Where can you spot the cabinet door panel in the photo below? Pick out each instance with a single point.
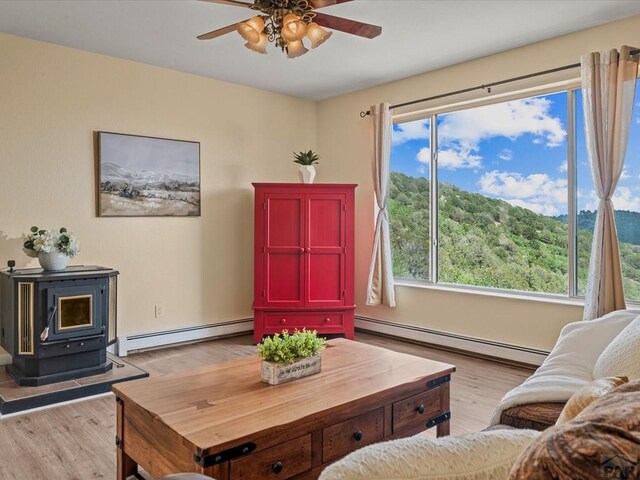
(325, 258)
(284, 250)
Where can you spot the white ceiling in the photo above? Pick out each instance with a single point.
(417, 36)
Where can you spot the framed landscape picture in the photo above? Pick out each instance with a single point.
(147, 176)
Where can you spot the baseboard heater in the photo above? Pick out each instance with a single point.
(499, 350)
(181, 335)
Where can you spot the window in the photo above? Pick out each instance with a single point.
(500, 216)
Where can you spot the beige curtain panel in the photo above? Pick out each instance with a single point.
(380, 285)
(608, 86)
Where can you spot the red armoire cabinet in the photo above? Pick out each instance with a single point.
(304, 264)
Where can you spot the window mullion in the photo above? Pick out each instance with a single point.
(433, 250)
(572, 195)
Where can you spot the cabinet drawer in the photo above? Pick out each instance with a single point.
(299, 320)
(281, 461)
(347, 436)
(412, 413)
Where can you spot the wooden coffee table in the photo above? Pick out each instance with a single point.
(222, 421)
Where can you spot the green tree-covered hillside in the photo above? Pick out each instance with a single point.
(488, 242)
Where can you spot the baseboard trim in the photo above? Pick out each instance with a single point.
(488, 348)
(181, 335)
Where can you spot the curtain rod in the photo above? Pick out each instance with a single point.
(487, 86)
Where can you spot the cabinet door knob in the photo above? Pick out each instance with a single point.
(283, 321)
(276, 467)
(327, 320)
(308, 250)
(420, 409)
(301, 250)
(358, 435)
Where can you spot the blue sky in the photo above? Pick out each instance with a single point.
(515, 151)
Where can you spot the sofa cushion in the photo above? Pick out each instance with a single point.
(536, 416)
(603, 441)
(477, 456)
(622, 355)
(586, 395)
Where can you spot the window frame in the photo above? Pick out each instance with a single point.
(570, 87)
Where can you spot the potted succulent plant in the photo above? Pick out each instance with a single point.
(306, 160)
(286, 357)
(52, 248)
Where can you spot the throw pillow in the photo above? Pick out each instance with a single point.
(603, 441)
(477, 456)
(622, 355)
(586, 395)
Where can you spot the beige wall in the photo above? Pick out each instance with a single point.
(200, 269)
(343, 141)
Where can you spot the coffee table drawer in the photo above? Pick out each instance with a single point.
(285, 460)
(347, 436)
(413, 412)
(291, 320)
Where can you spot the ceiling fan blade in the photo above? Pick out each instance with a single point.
(234, 3)
(326, 3)
(219, 32)
(348, 26)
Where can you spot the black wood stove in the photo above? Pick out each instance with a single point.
(57, 325)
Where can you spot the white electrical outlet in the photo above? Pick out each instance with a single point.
(159, 311)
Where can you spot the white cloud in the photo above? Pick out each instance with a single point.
(537, 141)
(450, 159)
(422, 170)
(506, 154)
(624, 198)
(405, 132)
(548, 210)
(564, 167)
(508, 119)
(625, 174)
(424, 155)
(537, 192)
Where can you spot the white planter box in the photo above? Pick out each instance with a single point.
(275, 373)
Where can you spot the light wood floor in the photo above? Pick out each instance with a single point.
(76, 441)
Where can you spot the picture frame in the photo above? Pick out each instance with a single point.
(143, 176)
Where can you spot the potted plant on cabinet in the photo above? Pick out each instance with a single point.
(306, 160)
(286, 357)
(52, 248)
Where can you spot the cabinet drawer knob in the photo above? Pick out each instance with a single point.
(283, 321)
(327, 320)
(276, 467)
(420, 409)
(358, 435)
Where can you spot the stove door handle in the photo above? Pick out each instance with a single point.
(45, 333)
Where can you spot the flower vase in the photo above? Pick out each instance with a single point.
(53, 261)
(307, 173)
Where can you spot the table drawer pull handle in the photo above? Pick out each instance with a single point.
(276, 467)
(327, 320)
(358, 435)
(420, 409)
(283, 321)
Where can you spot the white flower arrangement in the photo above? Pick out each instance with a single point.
(49, 241)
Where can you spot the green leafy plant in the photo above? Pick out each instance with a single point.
(306, 158)
(286, 348)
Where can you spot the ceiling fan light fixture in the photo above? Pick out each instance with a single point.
(296, 49)
(317, 35)
(293, 29)
(261, 45)
(251, 29)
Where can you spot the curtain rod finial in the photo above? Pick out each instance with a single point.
(364, 114)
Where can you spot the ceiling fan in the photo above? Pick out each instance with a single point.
(287, 23)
